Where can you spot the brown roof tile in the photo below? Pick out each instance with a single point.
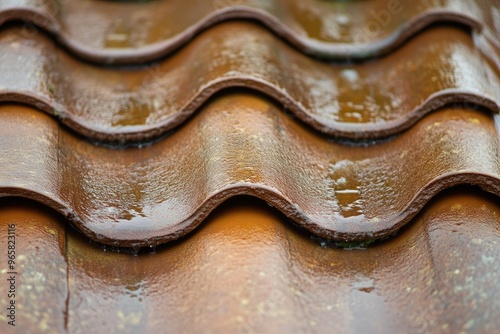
(246, 270)
(40, 263)
(366, 100)
(244, 144)
(113, 31)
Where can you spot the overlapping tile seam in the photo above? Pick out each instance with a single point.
(147, 196)
(138, 32)
(458, 230)
(367, 100)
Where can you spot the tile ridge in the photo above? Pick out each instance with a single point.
(357, 101)
(136, 197)
(378, 18)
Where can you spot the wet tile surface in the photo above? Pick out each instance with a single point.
(241, 144)
(141, 122)
(367, 100)
(144, 30)
(246, 270)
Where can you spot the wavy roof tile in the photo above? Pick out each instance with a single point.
(334, 190)
(402, 107)
(243, 144)
(246, 270)
(139, 31)
(366, 100)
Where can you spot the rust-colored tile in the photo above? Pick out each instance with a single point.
(139, 31)
(247, 270)
(436, 276)
(40, 262)
(357, 101)
(244, 144)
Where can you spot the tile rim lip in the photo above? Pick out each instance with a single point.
(389, 227)
(138, 133)
(306, 45)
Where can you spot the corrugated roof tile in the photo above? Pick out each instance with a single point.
(246, 270)
(427, 76)
(366, 100)
(137, 31)
(244, 144)
(142, 31)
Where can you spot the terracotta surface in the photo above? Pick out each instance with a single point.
(247, 270)
(243, 144)
(41, 265)
(142, 122)
(136, 31)
(357, 101)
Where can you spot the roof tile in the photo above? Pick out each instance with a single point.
(365, 100)
(435, 91)
(141, 31)
(247, 270)
(242, 144)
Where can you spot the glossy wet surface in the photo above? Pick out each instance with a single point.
(242, 144)
(248, 270)
(368, 100)
(251, 113)
(136, 31)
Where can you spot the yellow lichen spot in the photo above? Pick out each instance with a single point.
(456, 206)
(435, 124)
(297, 292)
(375, 220)
(132, 318)
(474, 120)
(52, 231)
(42, 326)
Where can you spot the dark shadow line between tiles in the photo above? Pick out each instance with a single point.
(349, 132)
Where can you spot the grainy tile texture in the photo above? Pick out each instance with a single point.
(367, 100)
(243, 144)
(142, 122)
(138, 31)
(247, 271)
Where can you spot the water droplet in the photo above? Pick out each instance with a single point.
(118, 36)
(350, 75)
